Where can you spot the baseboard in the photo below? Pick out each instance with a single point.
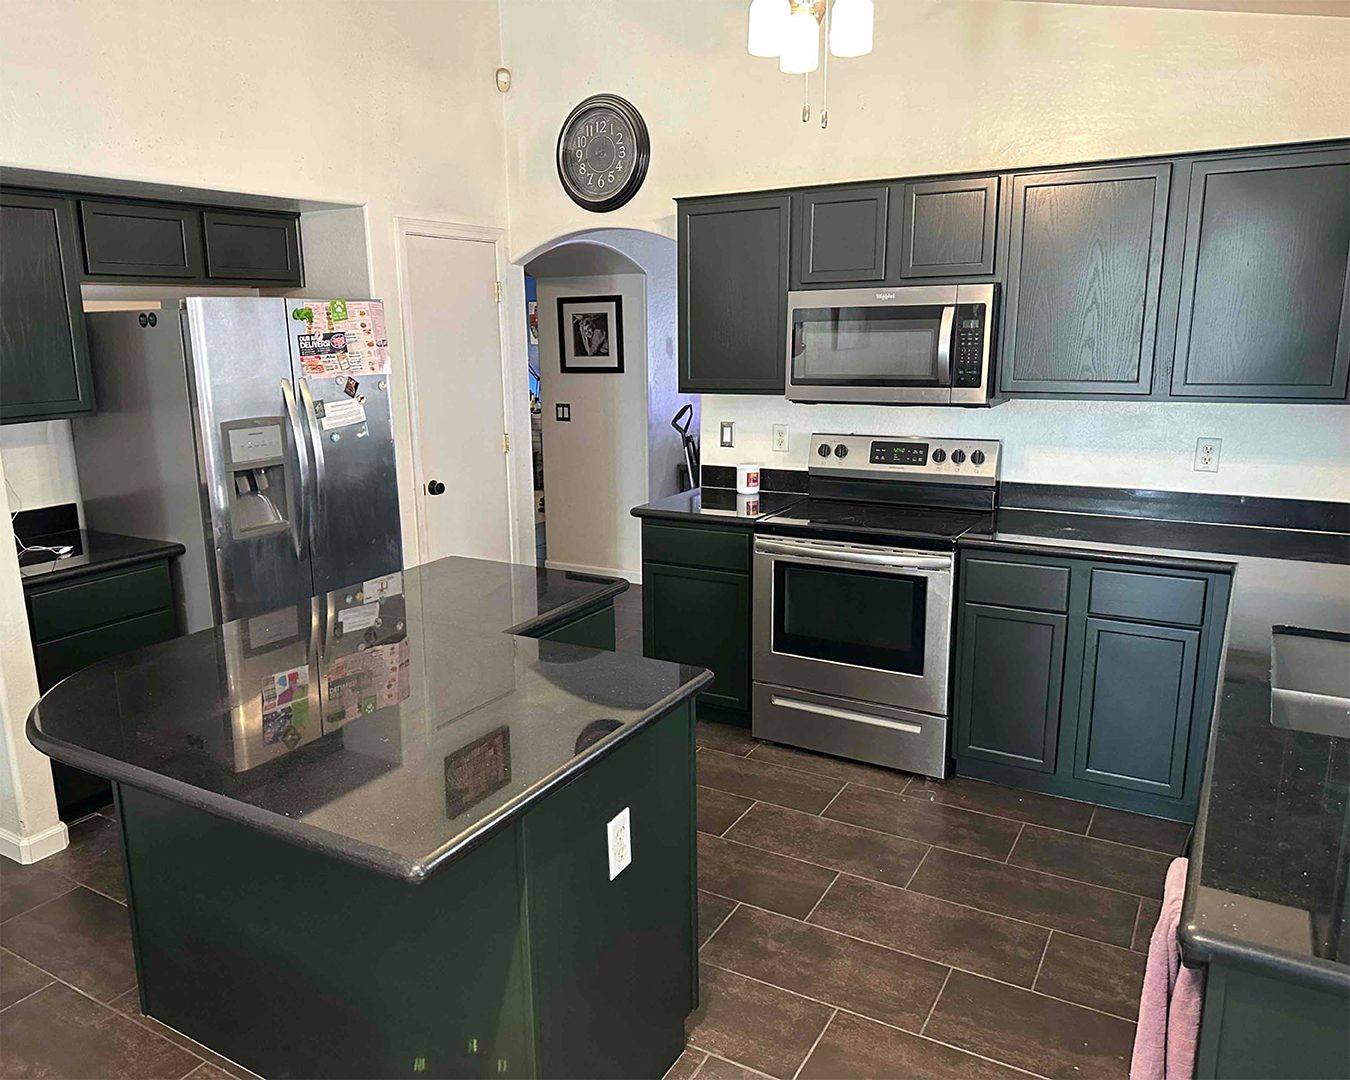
(634, 576)
(29, 849)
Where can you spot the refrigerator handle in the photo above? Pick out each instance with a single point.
(316, 445)
(302, 465)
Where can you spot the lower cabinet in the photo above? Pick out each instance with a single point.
(594, 630)
(1106, 698)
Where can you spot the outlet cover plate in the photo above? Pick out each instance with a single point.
(1207, 452)
(619, 836)
(780, 438)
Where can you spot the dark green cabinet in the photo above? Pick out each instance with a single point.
(733, 282)
(840, 235)
(132, 240)
(1265, 279)
(44, 356)
(252, 247)
(1084, 280)
(947, 227)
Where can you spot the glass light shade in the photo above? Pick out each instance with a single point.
(851, 28)
(766, 26)
(801, 44)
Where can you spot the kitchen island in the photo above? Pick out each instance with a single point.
(372, 834)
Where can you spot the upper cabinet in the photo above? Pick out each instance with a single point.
(44, 359)
(733, 282)
(947, 227)
(131, 240)
(252, 247)
(1084, 279)
(840, 236)
(1265, 293)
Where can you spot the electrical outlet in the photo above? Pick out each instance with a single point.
(780, 438)
(1207, 454)
(728, 433)
(619, 835)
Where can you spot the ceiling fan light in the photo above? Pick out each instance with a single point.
(766, 26)
(851, 28)
(801, 43)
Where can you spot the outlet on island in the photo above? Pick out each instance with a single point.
(1207, 454)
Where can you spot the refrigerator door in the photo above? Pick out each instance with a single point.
(251, 457)
(340, 357)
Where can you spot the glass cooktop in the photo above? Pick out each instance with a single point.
(842, 519)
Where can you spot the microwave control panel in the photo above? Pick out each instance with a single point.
(968, 370)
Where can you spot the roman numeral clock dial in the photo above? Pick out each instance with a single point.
(603, 150)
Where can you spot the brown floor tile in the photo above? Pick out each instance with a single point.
(82, 938)
(1029, 806)
(728, 738)
(771, 783)
(207, 1071)
(686, 1065)
(717, 809)
(1149, 910)
(852, 772)
(932, 823)
(1098, 862)
(715, 1068)
(60, 1033)
(712, 912)
(879, 983)
(1159, 834)
(1037, 898)
(856, 1048)
(759, 877)
(829, 843)
(941, 931)
(129, 1004)
(18, 978)
(94, 857)
(1089, 973)
(1030, 1031)
(26, 886)
(765, 1028)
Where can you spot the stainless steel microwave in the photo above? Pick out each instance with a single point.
(922, 345)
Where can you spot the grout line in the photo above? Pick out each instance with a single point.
(831, 802)
(836, 779)
(1007, 859)
(39, 990)
(709, 1056)
(816, 1043)
(735, 904)
(1045, 951)
(1047, 873)
(73, 886)
(912, 876)
(933, 1007)
(1092, 820)
(807, 917)
(753, 804)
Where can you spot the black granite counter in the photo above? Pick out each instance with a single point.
(394, 725)
(719, 505)
(94, 553)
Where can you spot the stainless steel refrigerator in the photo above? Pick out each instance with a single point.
(254, 431)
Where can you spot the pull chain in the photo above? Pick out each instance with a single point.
(825, 74)
(806, 97)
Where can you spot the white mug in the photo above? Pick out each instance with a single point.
(747, 479)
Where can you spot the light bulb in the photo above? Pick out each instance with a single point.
(851, 28)
(801, 44)
(767, 18)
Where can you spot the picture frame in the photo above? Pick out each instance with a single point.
(590, 334)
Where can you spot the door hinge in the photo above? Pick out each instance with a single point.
(506, 442)
(497, 290)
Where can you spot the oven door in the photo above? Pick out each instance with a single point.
(859, 621)
(871, 345)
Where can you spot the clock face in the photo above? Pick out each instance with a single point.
(603, 150)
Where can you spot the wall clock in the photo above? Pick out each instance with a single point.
(603, 150)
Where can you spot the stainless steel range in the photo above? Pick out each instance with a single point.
(853, 597)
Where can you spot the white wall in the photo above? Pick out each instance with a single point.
(595, 466)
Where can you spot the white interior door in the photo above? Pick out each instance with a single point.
(453, 334)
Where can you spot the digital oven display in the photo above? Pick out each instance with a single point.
(899, 453)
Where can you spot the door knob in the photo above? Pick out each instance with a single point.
(435, 487)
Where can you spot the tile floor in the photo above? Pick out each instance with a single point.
(854, 922)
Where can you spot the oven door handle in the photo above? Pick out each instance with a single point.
(862, 558)
(944, 351)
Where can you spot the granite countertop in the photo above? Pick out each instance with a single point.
(720, 505)
(95, 552)
(393, 730)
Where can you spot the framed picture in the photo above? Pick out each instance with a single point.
(590, 334)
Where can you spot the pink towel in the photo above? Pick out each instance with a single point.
(1169, 1008)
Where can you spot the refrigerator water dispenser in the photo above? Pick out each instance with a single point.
(256, 464)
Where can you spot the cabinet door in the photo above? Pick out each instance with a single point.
(700, 617)
(44, 357)
(1265, 280)
(733, 265)
(1084, 267)
(1012, 679)
(840, 236)
(252, 247)
(1134, 712)
(948, 227)
(136, 241)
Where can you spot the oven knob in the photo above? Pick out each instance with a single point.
(939, 456)
(977, 457)
(841, 451)
(958, 456)
(823, 450)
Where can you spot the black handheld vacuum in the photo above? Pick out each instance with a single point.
(688, 472)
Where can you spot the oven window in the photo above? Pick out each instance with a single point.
(849, 616)
(866, 346)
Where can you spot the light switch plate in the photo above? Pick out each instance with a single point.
(562, 412)
(619, 835)
(728, 430)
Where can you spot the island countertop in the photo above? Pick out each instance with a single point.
(393, 724)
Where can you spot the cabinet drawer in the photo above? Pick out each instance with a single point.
(688, 545)
(64, 656)
(1129, 594)
(131, 240)
(78, 605)
(1017, 584)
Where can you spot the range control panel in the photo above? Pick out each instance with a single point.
(963, 461)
